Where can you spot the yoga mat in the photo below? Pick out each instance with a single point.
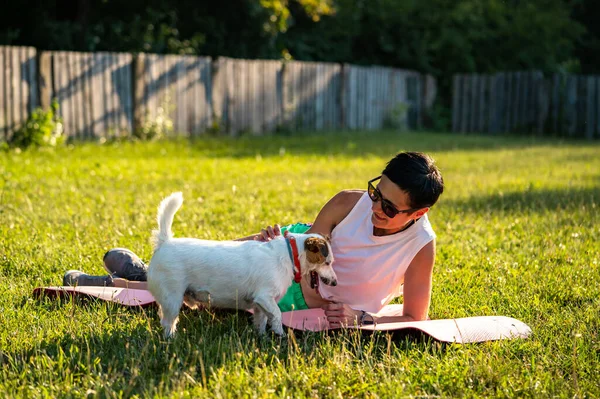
(122, 296)
(461, 330)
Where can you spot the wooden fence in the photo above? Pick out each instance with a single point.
(248, 95)
(376, 96)
(527, 102)
(174, 87)
(18, 87)
(94, 91)
(112, 94)
(312, 96)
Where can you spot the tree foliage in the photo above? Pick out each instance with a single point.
(437, 36)
(441, 37)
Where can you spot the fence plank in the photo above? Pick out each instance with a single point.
(597, 106)
(3, 95)
(14, 88)
(542, 103)
(591, 106)
(475, 103)
(579, 111)
(257, 79)
(571, 105)
(516, 102)
(194, 105)
(352, 93)
(107, 100)
(9, 90)
(181, 96)
(86, 67)
(556, 120)
(525, 101)
(482, 124)
(360, 98)
(65, 88)
(506, 97)
(493, 104)
(464, 118)
(456, 112)
(32, 80)
(78, 104)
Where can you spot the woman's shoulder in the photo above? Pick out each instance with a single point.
(335, 210)
(347, 197)
(344, 201)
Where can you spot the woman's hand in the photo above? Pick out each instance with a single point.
(268, 233)
(340, 314)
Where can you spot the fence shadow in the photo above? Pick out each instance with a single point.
(530, 201)
(366, 143)
(136, 358)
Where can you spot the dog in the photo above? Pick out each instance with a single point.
(229, 274)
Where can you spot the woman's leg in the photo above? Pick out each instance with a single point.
(123, 263)
(136, 285)
(126, 270)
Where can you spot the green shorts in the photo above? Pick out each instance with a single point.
(293, 298)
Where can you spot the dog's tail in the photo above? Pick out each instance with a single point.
(166, 212)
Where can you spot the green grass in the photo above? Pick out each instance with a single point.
(517, 226)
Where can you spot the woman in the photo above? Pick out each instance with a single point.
(382, 242)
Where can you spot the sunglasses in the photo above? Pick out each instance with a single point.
(388, 208)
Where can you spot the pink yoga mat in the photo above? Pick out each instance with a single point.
(122, 296)
(462, 330)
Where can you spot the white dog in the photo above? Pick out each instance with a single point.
(229, 274)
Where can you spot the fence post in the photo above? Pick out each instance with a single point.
(542, 101)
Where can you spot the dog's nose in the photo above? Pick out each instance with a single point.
(334, 283)
(328, 263)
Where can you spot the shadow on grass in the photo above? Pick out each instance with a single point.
(529, 201)
(128, 349)
(365, 143)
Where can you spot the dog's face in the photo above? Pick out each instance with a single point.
(318, 258)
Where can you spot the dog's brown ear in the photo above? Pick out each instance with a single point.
(312, 244)
(314, 250)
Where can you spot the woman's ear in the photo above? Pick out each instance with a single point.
(420, 212)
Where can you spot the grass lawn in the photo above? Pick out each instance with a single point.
(517, 227)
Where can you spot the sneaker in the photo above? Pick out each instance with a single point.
(79, 278)
(122, 263)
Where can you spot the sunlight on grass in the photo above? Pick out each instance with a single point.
(517, 234)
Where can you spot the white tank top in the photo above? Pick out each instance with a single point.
(370, 269)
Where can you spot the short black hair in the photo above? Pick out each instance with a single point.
(416, 174)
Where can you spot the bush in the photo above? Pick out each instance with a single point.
(157, 128)
(42, 129)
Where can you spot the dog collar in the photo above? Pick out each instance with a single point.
(293, 251)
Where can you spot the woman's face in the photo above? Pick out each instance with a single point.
(400, 199)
